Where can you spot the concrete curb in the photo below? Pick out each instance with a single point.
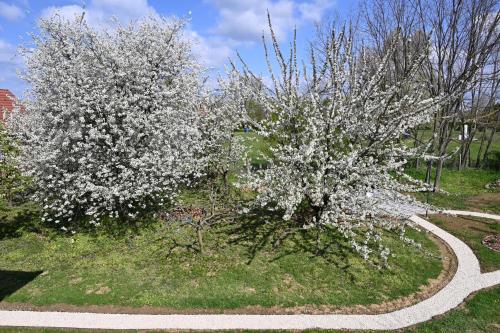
(466, 280)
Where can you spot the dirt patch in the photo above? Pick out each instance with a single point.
(472, 224)
(99, 290)
(448, 259)
(75, 280)
(484, 201)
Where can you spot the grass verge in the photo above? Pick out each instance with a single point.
(465, 190)
(160, 267)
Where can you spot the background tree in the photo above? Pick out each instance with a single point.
(221, 115)
(12, 182)
(463, 36)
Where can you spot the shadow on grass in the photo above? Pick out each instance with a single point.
(11, 281)
(16, 219)
(262, 230)
(26, 217)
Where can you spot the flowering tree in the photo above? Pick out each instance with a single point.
(336, 131)
(111, 126)
(12, 181)
(221, 115)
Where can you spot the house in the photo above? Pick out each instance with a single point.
(7, 102)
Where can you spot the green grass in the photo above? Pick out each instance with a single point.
(463, 188)
(481, 314)
(257, 147)
(468, 182)
(160, 266)
(472, 230)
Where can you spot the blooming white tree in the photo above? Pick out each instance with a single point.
(221, 114)
(335, 130)
(111, 125)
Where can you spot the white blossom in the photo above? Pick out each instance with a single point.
(335, 130)
(111, 125)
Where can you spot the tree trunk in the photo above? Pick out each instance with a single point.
(428, 172)
(466, 150)
(478, 157)
(439, 169)
(490, 139)
(199, 235)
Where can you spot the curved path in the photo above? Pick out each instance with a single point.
(467, 279)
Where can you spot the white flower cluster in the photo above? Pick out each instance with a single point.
(221, 114)
(112, 125)
(336, 132)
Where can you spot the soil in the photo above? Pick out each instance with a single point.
(473, 224)
(492, 242)
(449, 262)
(483, 201)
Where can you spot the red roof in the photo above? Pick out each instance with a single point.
(7, 101)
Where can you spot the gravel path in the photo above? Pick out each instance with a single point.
(467, 279)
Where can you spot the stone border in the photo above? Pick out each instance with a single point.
(467, 279)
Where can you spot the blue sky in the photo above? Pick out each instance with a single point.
(218, 27)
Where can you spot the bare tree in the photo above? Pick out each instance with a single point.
(463, 37)
(479, 111)
(463, 34)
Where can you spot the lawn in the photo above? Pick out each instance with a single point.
(472, 230)
(455, 144)
(159, 266)
(256, 146)
(464, 190)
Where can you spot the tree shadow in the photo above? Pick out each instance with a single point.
(14, 220)
(263, 230)
(11, 281)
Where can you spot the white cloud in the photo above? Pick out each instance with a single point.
(7, 51)
(99, 12)
(68, 12)
(212, 51)
(10, 12)
(314, 11)
(245, 21)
